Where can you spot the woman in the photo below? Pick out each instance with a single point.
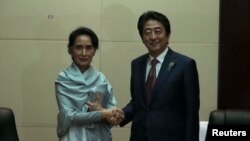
(76, 86)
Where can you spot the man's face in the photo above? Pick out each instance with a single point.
(154, 37)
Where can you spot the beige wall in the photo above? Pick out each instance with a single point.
(33, 38)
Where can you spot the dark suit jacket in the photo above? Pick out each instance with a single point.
(173, 112)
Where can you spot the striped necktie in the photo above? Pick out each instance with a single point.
(151, 79)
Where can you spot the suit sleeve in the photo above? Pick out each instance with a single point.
(192, 102)
(129, 109)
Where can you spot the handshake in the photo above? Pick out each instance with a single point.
(113, 116)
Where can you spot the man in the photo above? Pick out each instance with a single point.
(164, 106)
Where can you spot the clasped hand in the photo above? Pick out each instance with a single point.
(112, 116)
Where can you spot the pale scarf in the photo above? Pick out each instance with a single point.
(73, 90)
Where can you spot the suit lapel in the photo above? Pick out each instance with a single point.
(165, 70)
(142, 74)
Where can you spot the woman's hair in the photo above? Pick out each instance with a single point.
(83, 31)
(153, 15)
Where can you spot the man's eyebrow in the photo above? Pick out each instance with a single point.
(78, 45)
(157, 28)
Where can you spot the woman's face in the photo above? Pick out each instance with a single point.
(82, 52)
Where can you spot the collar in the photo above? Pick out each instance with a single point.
(160, 57)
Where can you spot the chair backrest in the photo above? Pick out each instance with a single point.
(8, 131)
(227, 119)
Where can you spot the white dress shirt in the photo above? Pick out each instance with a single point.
(160, 59)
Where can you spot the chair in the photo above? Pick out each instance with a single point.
(227, 120)
(8, 131)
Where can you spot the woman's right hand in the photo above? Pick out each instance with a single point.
(113, 116)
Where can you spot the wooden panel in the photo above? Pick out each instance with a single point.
(234, 60)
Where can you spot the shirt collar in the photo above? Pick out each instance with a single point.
(160, 57)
